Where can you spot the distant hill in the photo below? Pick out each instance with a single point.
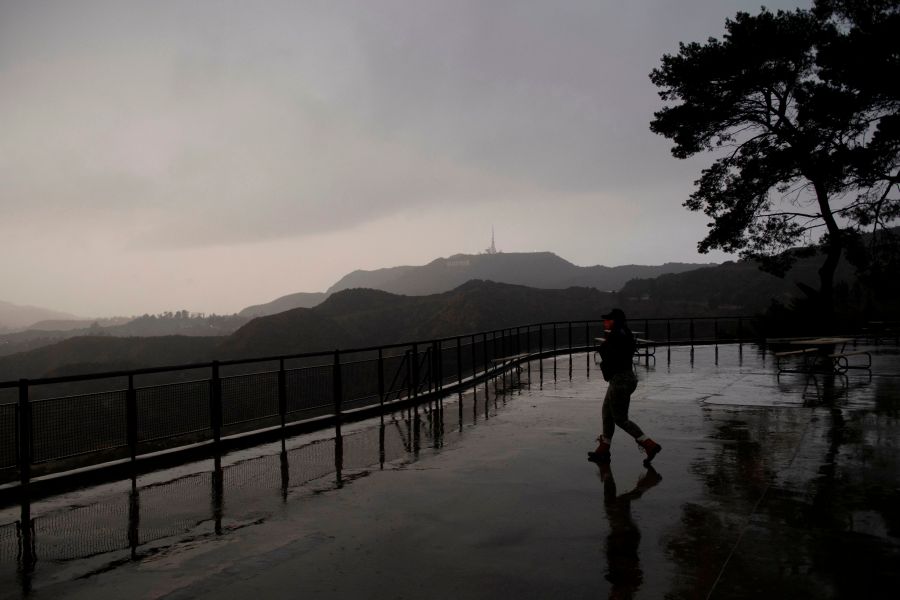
(533, 269)
(14, 316)
(298, 300)
(732, 288)
(178, 323)
(364, 317)
(350, 318)
(92, 354)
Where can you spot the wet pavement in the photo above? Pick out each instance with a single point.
(767, 487)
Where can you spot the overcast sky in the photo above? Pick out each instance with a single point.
(211, 154)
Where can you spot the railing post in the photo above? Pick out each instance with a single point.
(740, 330)
(668, 332)
(131, 417)
(485, 348)
(337, 386)
(716, 332)
(474, 360)
(380, 377)
(440, 364)
(554, 340)
(25, 431)
(459, 365)
(692, 334)
(494, 352)
(415, 370)
(282, 392)
(215, 402)
(436, 374)
(588, 345)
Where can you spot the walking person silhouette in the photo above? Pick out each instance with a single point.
(616, 354)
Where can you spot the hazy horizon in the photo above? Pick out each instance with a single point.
(323, 290)
(209, 155)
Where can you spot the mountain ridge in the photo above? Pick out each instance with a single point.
(18, 316)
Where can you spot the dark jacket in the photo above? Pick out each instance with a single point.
(616, 352)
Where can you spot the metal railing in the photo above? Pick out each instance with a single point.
(57, 424)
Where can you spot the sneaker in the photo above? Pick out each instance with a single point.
(601, 454)
(651, 448)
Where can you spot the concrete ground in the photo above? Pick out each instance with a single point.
(767, 487)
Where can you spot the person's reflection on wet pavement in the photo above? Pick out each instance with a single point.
(623, 562)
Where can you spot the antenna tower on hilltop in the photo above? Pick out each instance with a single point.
(493, 248)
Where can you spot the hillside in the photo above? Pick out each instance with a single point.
(167, 324)
(93, 354)
(362, 317)
(351, 318)
(298, 300)
(532, 269)
(14, 316)
(731, 288)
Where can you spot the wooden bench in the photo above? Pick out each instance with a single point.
(645, 348)
(810, 355)
(813, 357)
(841, 362)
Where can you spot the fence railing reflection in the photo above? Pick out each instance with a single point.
(195, 504)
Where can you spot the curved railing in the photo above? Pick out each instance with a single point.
(58, 424)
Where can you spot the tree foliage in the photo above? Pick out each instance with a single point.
(801, 111)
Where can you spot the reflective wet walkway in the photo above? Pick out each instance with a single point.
(767, 487)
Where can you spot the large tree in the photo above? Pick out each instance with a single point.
(800, 110)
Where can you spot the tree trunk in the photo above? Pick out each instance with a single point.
(833, 250)
(826, 277)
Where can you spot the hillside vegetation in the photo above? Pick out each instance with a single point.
(351, 318)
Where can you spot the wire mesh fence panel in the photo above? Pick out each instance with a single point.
(579, 335)
(249, 397)
(9, 543)
(309, 388)
(80, 531)
(359, 383)
(449, 363)
(171, 410)
(423, 371)
(466, 363)
(64, 427)
(397, 369)
(8, 437)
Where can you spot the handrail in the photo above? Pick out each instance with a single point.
(328, 353)
(103, 421)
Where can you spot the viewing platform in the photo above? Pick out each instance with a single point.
(769, 485)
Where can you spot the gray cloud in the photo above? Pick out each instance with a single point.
(156, 125)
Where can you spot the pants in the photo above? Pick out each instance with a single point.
(615, 406)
